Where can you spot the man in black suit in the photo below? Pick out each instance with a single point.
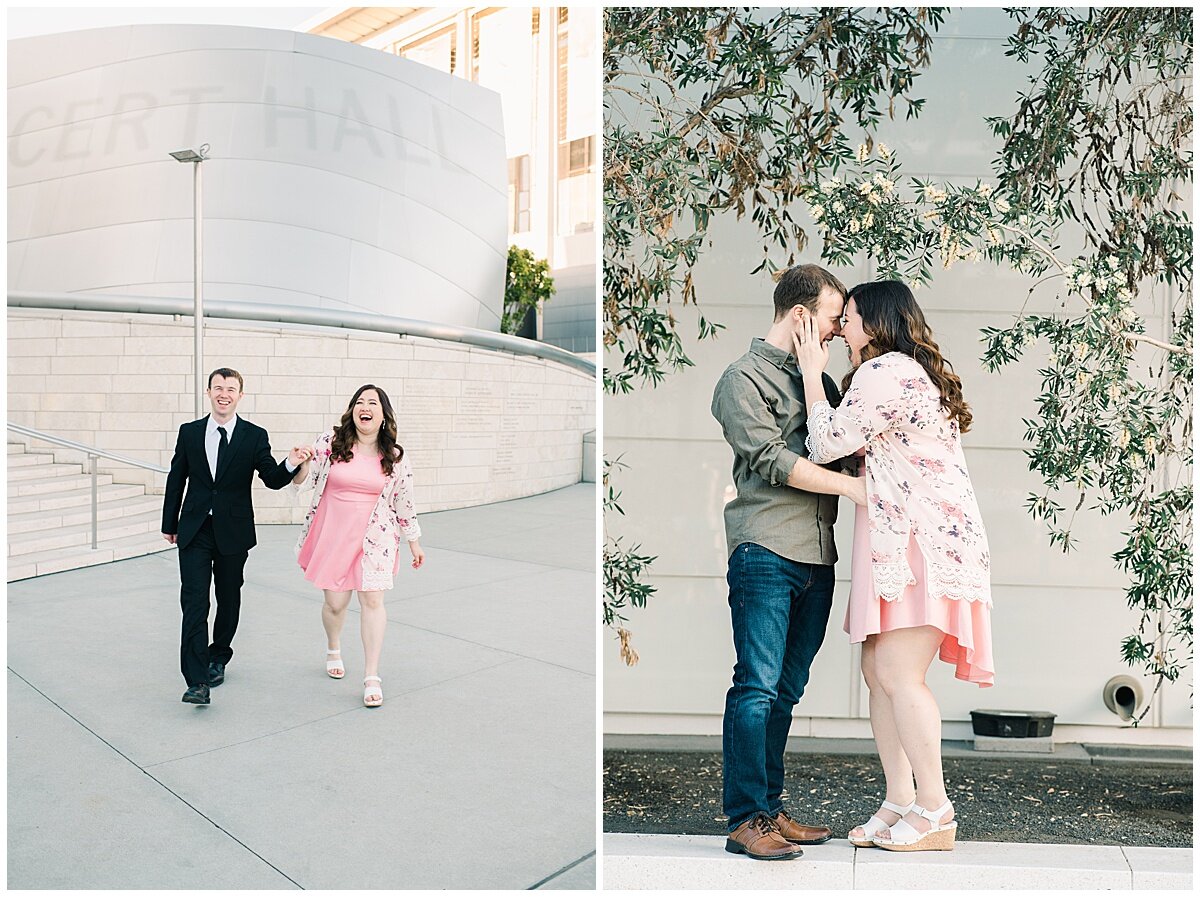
(217, 457)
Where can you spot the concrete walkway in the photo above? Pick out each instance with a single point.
(478, 772)
(699, 862)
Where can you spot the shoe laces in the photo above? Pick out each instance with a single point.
(764, 824)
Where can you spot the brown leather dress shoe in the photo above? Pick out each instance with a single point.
(801, 834)
(759, 839)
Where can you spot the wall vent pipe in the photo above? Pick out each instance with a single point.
(1123, 696)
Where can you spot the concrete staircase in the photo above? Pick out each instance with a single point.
(50, 517)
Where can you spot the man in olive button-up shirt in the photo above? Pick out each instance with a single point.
(759, 401)
(779, 531)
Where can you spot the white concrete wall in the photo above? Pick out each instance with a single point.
(339, 177)
(479, 425)
(1058, 619)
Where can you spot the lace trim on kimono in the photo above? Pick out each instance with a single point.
(376, 580)
(820, 420)
(949, 581)
(891, 580)
(959, 583)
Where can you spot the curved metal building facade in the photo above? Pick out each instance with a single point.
(338, 177)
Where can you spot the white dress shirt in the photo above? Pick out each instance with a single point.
(212, 441)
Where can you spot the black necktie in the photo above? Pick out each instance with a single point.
(224, 444)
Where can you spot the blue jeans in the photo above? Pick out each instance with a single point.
(780, 609)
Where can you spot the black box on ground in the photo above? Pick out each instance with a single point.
(1012, 723)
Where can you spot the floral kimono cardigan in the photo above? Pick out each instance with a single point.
(917, 482)
(393, 515)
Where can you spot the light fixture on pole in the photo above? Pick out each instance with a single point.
(196, 157)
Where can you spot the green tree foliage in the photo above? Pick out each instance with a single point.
(527, 283)
(709, 110)
(704, 116)
(1098, 152)
(715, 109)
(623, 571)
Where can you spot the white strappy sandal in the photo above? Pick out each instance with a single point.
(372, 694)
(905, 837)
(875, 825)
(335, 663)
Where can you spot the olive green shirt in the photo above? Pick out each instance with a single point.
(759, 402)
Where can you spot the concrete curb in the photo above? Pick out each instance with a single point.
(699, 862)
(1064, 752)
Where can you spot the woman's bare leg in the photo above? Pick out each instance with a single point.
(902, 657)
(373, 625)
(333, 616)
(897, 771)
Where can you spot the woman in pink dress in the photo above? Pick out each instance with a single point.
(361, 506)
(920, 586)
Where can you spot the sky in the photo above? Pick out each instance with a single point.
(29, 21)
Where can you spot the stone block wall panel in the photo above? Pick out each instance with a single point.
(472, 430)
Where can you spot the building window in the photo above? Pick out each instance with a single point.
(518, 195)
(437, 50)
(576, 126)
(564, 72)
(503, 59)
(575, 157)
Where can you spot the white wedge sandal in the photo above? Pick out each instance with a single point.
(334, 663)
(372, 694)
(905, 837)
(875, 825)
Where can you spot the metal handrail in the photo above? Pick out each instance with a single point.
(292, 314)
(93, 454)
(89, 449)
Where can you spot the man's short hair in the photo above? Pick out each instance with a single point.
(801, 285)
(227, 373)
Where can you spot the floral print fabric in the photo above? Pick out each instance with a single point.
(917, 481)
(394, 514)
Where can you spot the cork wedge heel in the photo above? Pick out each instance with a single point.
(903, 837)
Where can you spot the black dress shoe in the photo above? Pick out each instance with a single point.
(216, 673)
(197, 694)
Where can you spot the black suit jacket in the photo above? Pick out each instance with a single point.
(228, 497)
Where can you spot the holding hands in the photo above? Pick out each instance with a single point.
(812, 355)
(299, 457)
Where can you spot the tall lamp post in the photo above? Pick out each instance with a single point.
(196, 157)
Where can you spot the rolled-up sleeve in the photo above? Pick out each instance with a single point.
(750, 428)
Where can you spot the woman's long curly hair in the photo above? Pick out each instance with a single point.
(345, 435)
(895, 323)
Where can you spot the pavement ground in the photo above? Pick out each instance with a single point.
(1084, 817)
(477, 772)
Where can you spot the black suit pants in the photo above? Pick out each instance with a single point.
(200, 565)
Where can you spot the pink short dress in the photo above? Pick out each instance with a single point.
(920, 549)
(332, 554)
(966, 625)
